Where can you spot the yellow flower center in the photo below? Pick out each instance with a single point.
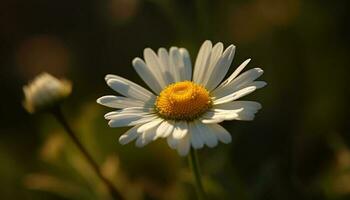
(183, 101)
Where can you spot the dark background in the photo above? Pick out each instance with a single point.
(296, 148)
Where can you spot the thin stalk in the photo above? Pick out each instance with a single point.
(57, 112)
(194, 164)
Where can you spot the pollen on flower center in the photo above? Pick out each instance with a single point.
(183, 101)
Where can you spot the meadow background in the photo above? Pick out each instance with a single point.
(296, 148)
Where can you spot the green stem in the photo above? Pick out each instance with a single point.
(57, 112)
(194, 164)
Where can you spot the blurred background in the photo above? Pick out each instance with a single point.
(296, 148)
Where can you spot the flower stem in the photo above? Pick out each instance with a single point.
(194, 164)
(57, 112)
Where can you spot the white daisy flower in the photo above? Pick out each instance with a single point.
(184, 107)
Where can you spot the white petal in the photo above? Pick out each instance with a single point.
(128, 136)
(239, 110)
(244, 80)
(119, 102)
(183, 146)
(165, 129)
(222, 134)
(176, 63)
(216, 53)
(236, 95)
(230, 89)
(118, 120)
(248, 76)
(149, 135)
(140, 142)
(154, 66)
(146, 74)
(202, 62)
(245, 116)
(213, 120)
(165, 62)
(217, 116)
(246, 105)
(220, 68)
(161, 129)
(196, 140)
(180, 130)
(130, 110)
(215, 56)
(235, 73)
(128, 88)
(149, 125)
(207, 135)
(186, 73)
(146, 137)
(130, 120)
(172, 142)
(115, 114)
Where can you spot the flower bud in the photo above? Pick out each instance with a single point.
(44, 92)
